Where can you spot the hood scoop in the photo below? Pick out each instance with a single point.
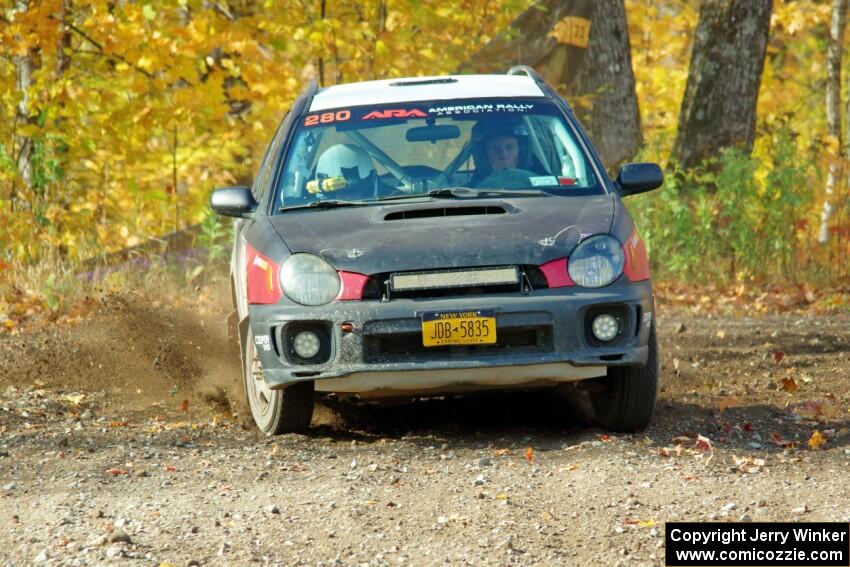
(444, 212)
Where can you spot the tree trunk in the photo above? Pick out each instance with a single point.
(582, 48)
(719, 106)
(833, 111)
(63, 43)
(24, 67)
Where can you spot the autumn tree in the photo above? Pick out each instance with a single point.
(24, 60)
(719, 106)
(118, 118)
(833, 112)
(582, 47)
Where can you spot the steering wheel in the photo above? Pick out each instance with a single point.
(507, 179)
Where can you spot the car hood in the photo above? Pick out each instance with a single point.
(445, 233)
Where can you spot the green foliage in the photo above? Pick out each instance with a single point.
(213, 237)
(737, 218)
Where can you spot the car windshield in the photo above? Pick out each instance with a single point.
(410, 149)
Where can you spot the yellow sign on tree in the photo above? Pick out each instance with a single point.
(572, 31)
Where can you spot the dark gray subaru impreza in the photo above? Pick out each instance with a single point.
(421, 236)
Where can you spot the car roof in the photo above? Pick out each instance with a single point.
(425, 88)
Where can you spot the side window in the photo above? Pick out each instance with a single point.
(265, 174)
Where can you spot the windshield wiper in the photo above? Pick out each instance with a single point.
(467, 193)
(476, 193)
(326, 204)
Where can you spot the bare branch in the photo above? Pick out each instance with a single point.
(100, 50)
(223, 10)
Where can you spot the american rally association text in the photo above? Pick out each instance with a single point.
(727, 536)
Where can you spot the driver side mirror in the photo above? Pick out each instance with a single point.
(233, 202)
(637, 178)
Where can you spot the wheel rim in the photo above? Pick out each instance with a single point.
(259, 395)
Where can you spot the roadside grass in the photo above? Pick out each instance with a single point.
(55, 292)
(742, 300)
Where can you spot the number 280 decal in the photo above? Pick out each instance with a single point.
(327, 117)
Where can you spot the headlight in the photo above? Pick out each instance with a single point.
(596, 262)
(309, 279)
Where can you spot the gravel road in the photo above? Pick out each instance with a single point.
(119, 445)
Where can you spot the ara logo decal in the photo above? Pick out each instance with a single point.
(396, 113)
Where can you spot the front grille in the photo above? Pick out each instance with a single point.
(479, 277)
(378, 288)
(408, 347)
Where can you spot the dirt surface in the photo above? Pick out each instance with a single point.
(118, 444)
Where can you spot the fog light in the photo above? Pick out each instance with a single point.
(306, 344)
(605, 327)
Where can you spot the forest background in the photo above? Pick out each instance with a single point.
(119, 118)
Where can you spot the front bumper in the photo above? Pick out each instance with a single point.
(544, 327)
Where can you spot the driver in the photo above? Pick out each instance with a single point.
(349, 169)
(499, 145)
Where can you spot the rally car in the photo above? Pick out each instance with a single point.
(422, 236)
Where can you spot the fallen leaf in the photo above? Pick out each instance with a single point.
(748, 464)
(184, 405)
(647, 441)
(721, 334)
(502, 497)
(747, 426)
(499, 452)
(640, 523)
(778, 440)
(820, 410)
(169, 468)
(75, 399)
(778, 355)
(604, 437)
(817, 440)
(116, 472)
(703, 444)
(529, 454)
(789, 384)
(729, 402)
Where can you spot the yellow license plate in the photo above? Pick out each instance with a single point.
(459, 328)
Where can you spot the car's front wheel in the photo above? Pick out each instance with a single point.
(275, 411)
(628, 398)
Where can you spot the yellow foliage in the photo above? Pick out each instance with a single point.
(196, 89)
(189, 88)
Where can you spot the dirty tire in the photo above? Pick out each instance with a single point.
(275, 411)
(629, 398)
